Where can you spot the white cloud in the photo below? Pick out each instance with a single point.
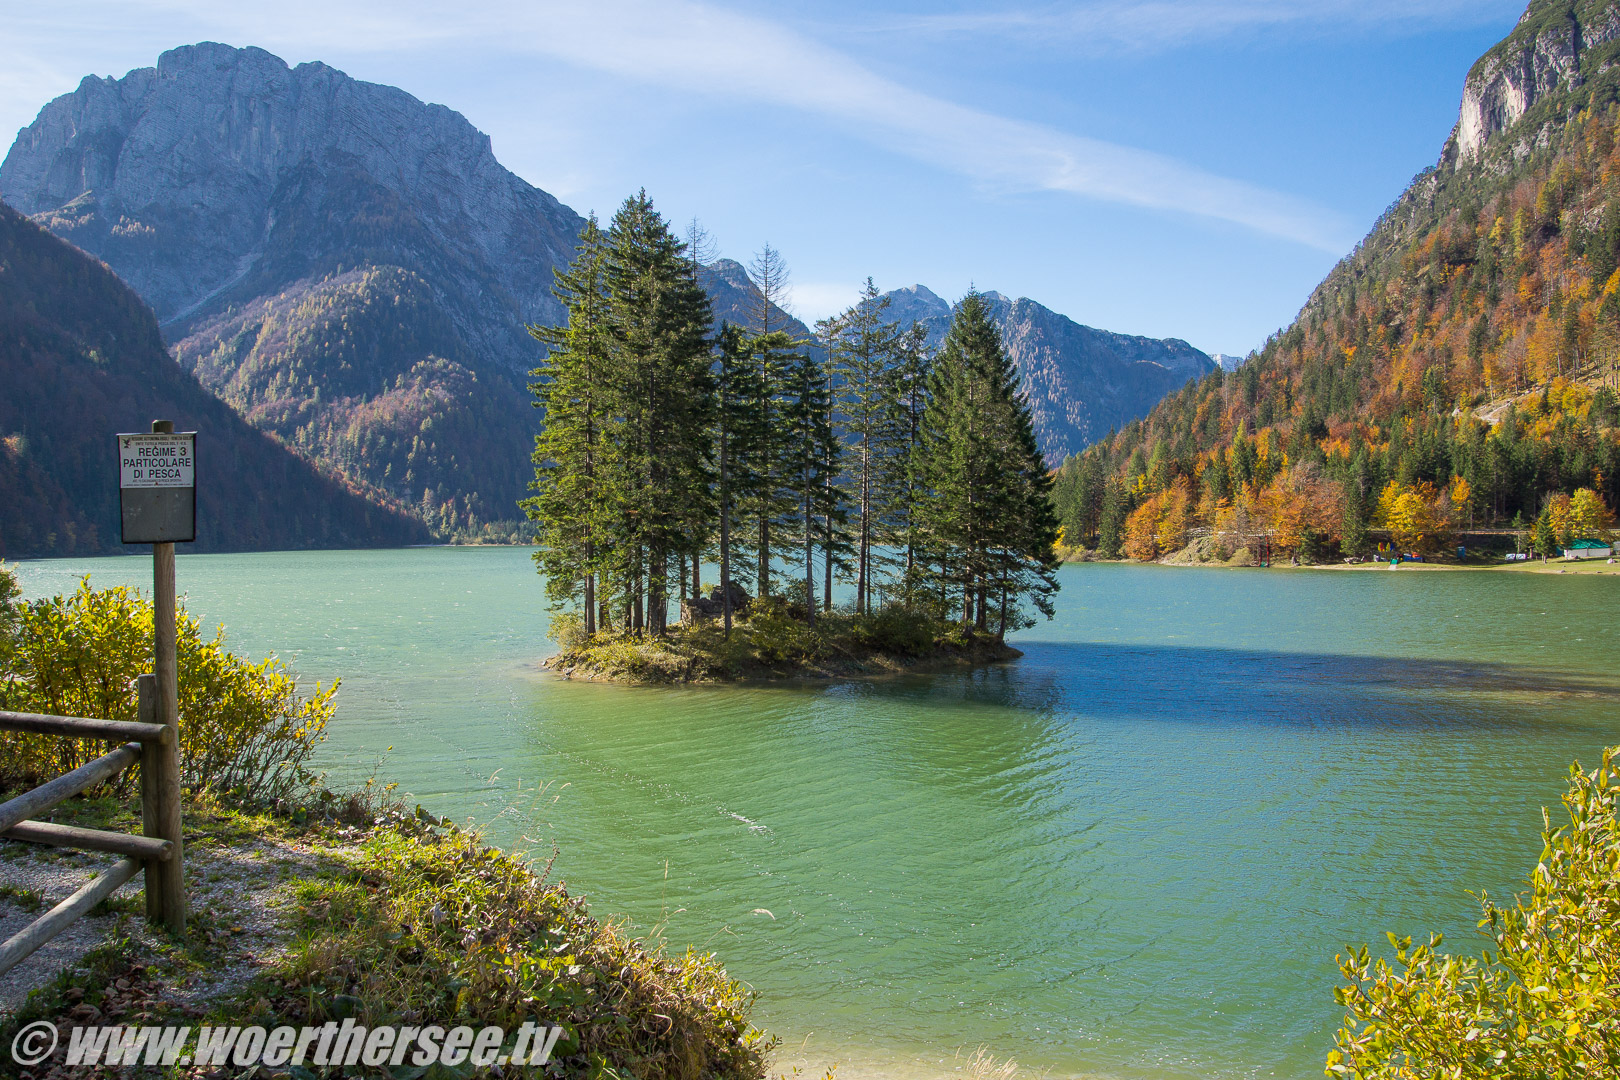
(703, 49)
(1149, 25)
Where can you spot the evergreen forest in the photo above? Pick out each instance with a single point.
(672, 447)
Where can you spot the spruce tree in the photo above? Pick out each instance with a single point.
(661, 370)
(984, 493)
(810, 460)
(865, 352)
(911, 401)
(738, 434)
(769, 502)
(571, 390)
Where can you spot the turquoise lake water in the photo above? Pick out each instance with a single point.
(1131, 854)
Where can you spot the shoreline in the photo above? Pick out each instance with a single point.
(570, 667)
(1551, 566)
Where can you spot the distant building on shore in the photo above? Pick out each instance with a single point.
(1588, 549)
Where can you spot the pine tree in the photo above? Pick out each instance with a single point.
(769, 502)
(570, 389)
(865, 353)
(810, 460)
(985, 499)
(661, 382)
(911, 402)
(738, 434)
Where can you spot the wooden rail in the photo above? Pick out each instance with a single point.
(156, 747)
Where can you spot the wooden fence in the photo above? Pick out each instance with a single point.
(155, 747)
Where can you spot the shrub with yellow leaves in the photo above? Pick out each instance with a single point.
(244, 727)
(1544, 1004)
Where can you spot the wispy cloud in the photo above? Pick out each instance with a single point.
(704, 49)
(1153, 25)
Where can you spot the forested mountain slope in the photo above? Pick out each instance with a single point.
(1457, 369)
(81, 359)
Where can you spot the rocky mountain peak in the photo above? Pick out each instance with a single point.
(222, 170)
(1554, 48)
(1080, 382)
(916, 303)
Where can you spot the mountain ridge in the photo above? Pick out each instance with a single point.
(1460, 365)
(82, 359)
(353, 271)
(1080, 382)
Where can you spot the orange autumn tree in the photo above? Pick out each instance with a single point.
(1159, 526)
(1300, 507)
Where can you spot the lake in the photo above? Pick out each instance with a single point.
(1131, 854)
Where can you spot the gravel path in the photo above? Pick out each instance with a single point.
(237, 893)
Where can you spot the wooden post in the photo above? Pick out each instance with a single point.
(171, 874)
(151, 812)
(23, 943)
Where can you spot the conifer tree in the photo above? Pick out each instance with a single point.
(985, 495)
(865, 351)
(661, 373)
(911, 401)
(810, 460)
(570, 388)
(738, 433)
(769, 502)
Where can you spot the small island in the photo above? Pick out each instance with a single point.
(866, 462)
(774, 640)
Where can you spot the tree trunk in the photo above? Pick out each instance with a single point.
(638, 621)
(827, 561)
(809, 552)
(765, 548)
(725, 538)
(590, 603)
(1001, 629)
(658, 595)
(863, 571)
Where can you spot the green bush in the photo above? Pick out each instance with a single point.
(244, 728)
(777, 636)
(895, 631)
(1544, 1004)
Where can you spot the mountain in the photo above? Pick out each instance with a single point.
(1080, 382)
(349, 267)
(1461, 362)
(1226, 361)
(352, 270)
(735, 299)
(81, 358)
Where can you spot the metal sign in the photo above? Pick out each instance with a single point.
(157, 487)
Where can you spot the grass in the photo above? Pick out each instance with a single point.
(776, 642)
(431, 925)
(402, 918)
(27, 899)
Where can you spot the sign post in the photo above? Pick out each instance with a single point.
(157, 492)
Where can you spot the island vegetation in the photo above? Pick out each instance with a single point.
(310, 905)
(670, 444)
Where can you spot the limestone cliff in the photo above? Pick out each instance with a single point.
(349, 267)
(1556, 46)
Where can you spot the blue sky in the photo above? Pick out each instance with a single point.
(1186, 168)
